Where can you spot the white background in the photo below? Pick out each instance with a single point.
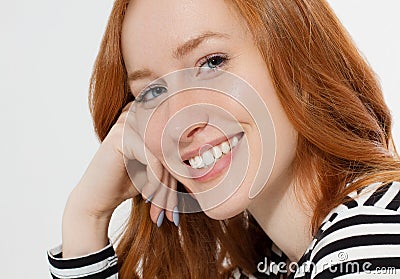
(47, 50)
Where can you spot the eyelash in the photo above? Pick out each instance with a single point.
(141, 97)
(203, 61)
(208, 58)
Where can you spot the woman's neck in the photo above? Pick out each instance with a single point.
(283, 218)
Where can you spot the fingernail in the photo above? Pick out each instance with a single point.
(149, 198)
(175, 216)
(160, 218)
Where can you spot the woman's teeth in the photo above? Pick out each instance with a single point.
(213, 154)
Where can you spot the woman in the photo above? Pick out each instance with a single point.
(330, 203)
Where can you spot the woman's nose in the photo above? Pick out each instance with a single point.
(185, 120)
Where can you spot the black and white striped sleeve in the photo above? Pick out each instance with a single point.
(362, 240)
(99, 265)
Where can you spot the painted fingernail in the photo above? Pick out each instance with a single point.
(175, 216)
(149, 198)
(160, 218)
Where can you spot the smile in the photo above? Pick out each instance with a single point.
(213, 154)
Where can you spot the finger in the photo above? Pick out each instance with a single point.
(137, 175)
(133, 147)
(172, 201)
(153, 181)
(159, 200)
(136, 168)
(133, 144)
(148, 192)
(131, 118)
(157, 214)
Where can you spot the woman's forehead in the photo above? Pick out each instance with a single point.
(160, 15)
(158, 25)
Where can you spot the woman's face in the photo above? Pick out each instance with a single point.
(161, 37)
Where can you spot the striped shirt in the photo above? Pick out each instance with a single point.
(357, 239)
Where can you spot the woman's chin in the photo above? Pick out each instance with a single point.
(223, 211)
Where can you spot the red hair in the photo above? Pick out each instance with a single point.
(331, 96)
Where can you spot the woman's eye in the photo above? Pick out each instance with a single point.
(151, 93)
(212, 62)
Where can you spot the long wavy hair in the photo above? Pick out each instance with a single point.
(331, 96)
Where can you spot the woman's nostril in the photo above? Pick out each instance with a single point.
(193, 132)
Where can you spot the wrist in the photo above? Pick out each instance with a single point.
(86, 203)
(83, 231)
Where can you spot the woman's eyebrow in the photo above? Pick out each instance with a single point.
(140, 74)
(191, 44)
(179, 52)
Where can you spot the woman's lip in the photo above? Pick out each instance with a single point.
(215, 142)
(203, 175)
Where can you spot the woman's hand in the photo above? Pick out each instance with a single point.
(121, 159)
